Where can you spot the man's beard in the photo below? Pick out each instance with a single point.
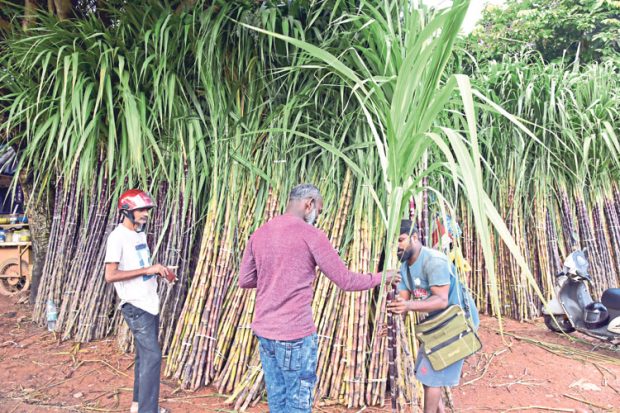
(311, 218)
(404, 255)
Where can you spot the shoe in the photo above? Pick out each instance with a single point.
(134, 409)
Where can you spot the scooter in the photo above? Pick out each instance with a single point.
(573, 307)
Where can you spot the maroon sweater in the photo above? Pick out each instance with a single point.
(280, 261)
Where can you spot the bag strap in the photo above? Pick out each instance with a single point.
(464, 294)
(465, 299)
(409, 273)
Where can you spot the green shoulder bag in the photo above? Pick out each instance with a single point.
(448, 336)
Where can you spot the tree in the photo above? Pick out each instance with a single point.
(555, 28)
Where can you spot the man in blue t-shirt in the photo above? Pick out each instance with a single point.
(429, 285)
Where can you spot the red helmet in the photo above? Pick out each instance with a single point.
(135, 199)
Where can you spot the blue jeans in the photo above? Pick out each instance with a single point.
(290, 373)
(145, 328)
(428, 376)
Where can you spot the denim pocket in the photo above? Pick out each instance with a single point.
(288, 354)
(266, 346)
(131, 314)
(303, 398)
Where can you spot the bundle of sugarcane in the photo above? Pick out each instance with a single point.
(235, 343)
(234, 204)
(409, 389)
(543, 235)
(251, 388)
(62, 243)
(241, 373)
(604, 255)
(328, 302)
(378, 369)
(584, 220)
(392, 357)
(587, 240)
(401, 371)
(188, 320)
(613, 227)
(193, 350)
(342, 318)
(361, 259)
(236, 224)
(99, 315)
(241, 340)
(84, 286)
(472, 252)
(176, 251)
(515, 283)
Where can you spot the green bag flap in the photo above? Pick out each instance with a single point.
(449, 353)
(447, 337)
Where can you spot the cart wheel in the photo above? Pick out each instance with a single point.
(15, 284)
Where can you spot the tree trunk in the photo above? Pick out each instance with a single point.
(4, 25)
(184, 5)
(30, 12)
(103, 12)
(63, 9)
(39, 213)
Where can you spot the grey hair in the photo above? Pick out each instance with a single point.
(304, 191)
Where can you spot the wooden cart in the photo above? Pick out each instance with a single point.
(15, 264)
(15, 257)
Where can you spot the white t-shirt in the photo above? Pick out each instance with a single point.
(129, 249)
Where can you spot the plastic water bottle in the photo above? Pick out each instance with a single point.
(52, 315)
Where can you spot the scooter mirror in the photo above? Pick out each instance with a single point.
(581, 263)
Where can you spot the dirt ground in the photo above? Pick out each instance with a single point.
(530, 369)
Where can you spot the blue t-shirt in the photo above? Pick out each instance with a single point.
(432, 268)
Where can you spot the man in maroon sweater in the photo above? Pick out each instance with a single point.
(280, 261)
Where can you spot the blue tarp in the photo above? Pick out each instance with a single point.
(8, 160)
(9, 202)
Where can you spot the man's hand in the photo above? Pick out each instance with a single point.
(398, 306)
(171, 276)
(392, 277)
(159, 270)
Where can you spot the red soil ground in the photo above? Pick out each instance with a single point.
(39, 374)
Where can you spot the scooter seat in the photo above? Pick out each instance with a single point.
(611, 298)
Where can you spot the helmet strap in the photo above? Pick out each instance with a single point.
(130, 216)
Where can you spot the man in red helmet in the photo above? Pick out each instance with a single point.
(129, 269)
